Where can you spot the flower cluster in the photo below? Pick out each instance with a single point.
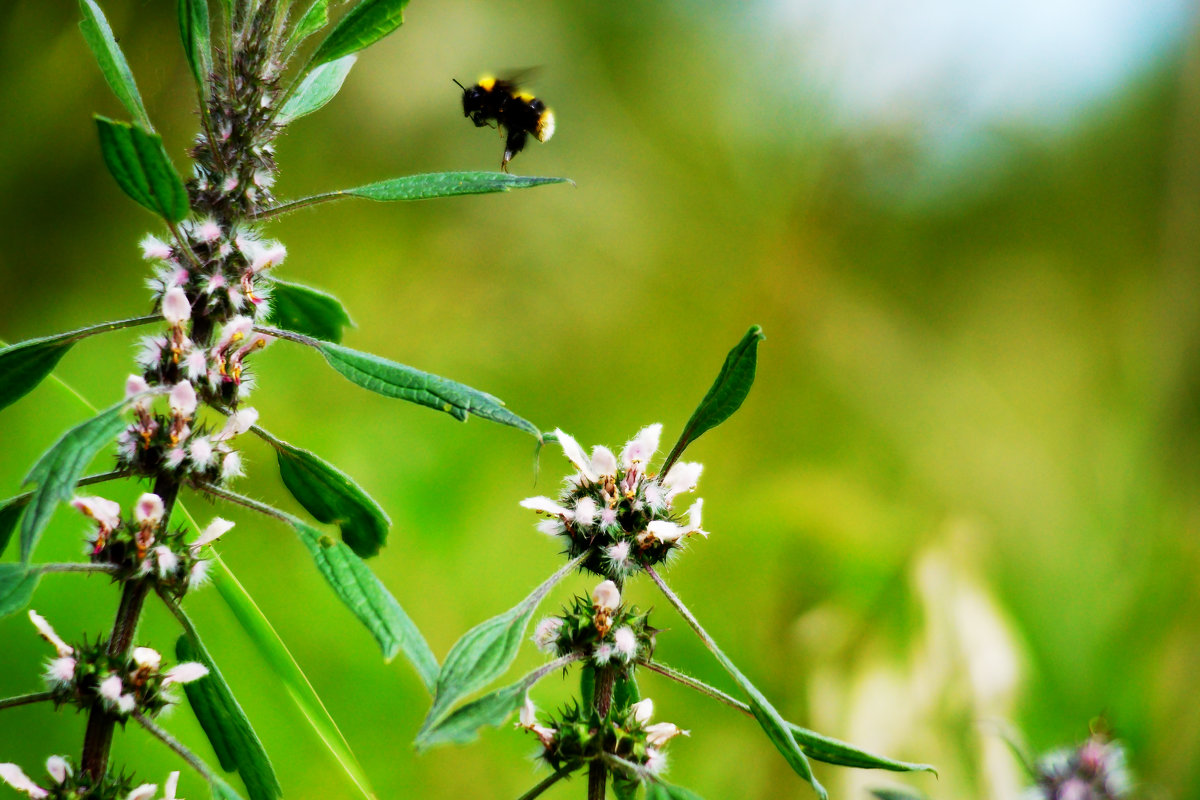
(143, 547)
(601, 629)
(1093, 771)
(67, 784)
(628, 740)
(86, 676)
(617, 509)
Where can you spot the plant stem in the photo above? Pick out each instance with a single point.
(549, 781)
(246, 502)
(75, 566)
(700, 686)
(170, 741)
(25, 699)
(602, 701)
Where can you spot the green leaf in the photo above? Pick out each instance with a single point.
(390, 379)
(462, 726)
(276, 654)
(446, 184)
(59, 469)
(354, 583)
(726, 394)
(10, 515)
(308, 311)
(26, 364)
(625, 692)
(834, 751)
(225, 724)
(17, 582)
(624, 787)
(665, 791)
(897, 794)
(114, 67)
(332, 497)
(194, 31)
(365, 24)
(317, 89)
(314, 19)
(222, 790)
(139, 163)
(484, 653)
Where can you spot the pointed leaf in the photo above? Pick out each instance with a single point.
(462, 726)
(225, 724)
(314, 19)
(332, 497)
(388, 378)
(10, 515)
(26, 364)
(446, 184)
(365, 24)
(726, 394)
(356, 586)
(896, 794)
(665, 791)
(834, 751)
(59, 469)
(139, 163)
(194, 31)
(485, 652)
(113, 66)
(317, 89)
(17, 583)
(308, 311)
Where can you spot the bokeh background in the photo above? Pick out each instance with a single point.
(962, 497)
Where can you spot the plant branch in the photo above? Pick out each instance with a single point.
(700, 686)
(25, 699)
(545, 784)
(78, 566)
(303, 202)
(683, 611)
(291, 336)
(25, 497)
(246, 502)
(170, 741)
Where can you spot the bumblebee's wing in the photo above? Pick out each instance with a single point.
(516, 78)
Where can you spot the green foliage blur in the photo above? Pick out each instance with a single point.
(961, 496)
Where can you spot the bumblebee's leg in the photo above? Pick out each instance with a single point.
(514, 145)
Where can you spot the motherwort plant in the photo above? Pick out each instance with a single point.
(176, 430)
(618, 516)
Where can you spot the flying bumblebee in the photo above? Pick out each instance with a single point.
(515, 112)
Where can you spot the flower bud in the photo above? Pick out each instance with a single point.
(149, 510)
(58, 768)
(545, 635)
(111, 689)
(643, 710)
(176, 309)
(660, 733)
(625, 642)
(147, 657)
(183, 399)
(606, 597)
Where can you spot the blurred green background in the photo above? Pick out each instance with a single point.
(963, 493)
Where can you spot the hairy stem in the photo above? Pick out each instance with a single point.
(25, 699)
(76, 566)
(602, 701)
(170, 741)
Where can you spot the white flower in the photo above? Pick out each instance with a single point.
(528, 713)
(111, 688)
(238, 423)
(215, 530)
(660, 733)
(201, 452)
(150, 351)
(176, 309)
(585, 511)
(551, 527)
(136, 385)
(175, 457)
(61, 671)
(186, 672)
(147, 657)
(608, 518)
(265, 255)
(606, 596)
(545, 635)
(196, 365)
(643, 711)
(547, 506)
(625, 642)
(166, 560)
(209, 230)
(14, 777)
(171, 786)
(641, 448)
(603, 461)
(58, 768)
(183, 399)
(694, 521)
(602, 654)
(199, 575)
(155, 248)
(665, 531)
(47, 633)
(618, 555)
(576, 456)
(126, 703)
(234, 331)
(656, 761)
(105, 512)
(231, 467)
(144, 792)
(683, 477)
(149, 509)
(655, 498)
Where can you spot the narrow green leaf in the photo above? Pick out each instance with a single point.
(26, 364)
(314, 19)
(485, 652)
(665, 791)
(897, 794)
(225, 724)
(390, 379)
(726, 394)
(222, 790)
(332, 497)
(317, 89)
(17, 583)
(276, 654)
(834, 751)
(10, 514)
(308, 311)
(356, 586)
(365, 24)
(114, 67)
(462, 726)
(446, 184)
(194, 31)
(139, 163)
(59, 469)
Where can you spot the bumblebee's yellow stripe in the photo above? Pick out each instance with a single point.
(487, 83)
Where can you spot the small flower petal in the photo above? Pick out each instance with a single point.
(683, 477)
(575, 455)
(238, 423)
(660, 733)
(58, 768)
(603, 461)
(215, 530)
(626, 643)
(606, 596)
(105, 512)
(46, 632)
(147, 657)
(14, 777)
(643, 711)
(641, 448)
(528, 713)
(149, 509)
(186, 672)
(171, 786)
(545, 635)
(183, 399)
(144, 792)
(585, 511)
(665, 531)
(176, 309)
(111, 688)
(547, 506)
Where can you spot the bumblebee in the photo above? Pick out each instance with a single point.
(515, 112)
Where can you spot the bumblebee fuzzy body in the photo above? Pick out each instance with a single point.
(518, 113)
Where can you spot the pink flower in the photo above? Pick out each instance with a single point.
(46, 632)
(183, 399)
(149, 510)
(176, 308)
(154, 248)
(105, 512)
(185, 673)
(641, 448)
(14, 777)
